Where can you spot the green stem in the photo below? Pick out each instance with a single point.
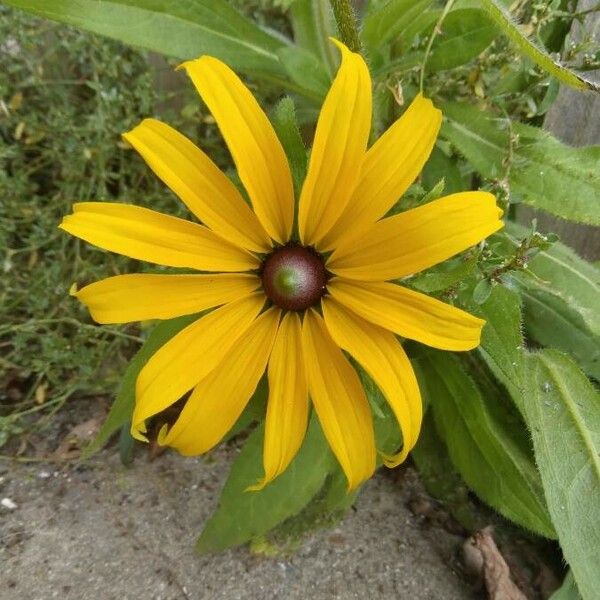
(346, 22)
(434, 33)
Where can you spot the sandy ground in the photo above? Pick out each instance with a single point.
(104, 532)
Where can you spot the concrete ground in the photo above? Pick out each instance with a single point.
(104, 532)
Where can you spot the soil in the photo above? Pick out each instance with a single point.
(99, 530)
(103, 531)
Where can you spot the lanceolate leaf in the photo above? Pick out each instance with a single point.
(484, 446)
(540, 170)
(532, 50)
(183, 29)
(242, 516)
(562, 410)
(122, 408)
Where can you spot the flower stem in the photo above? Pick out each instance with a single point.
(346, 22)
(437, 29)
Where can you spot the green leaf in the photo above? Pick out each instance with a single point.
(537, 54)
(541, 171)
(184, 29)
(502, 346)
(560, 302)
(286, 126)
(122, 408)
(568, 590)
(562, 273)
(466, 34)
(446, 276)
(438, 474)
(485, 444)
(313, 24)
(550, 321)
(306, 71)
(482, 291)
(391, 20)
(439, 165)
(562, 411)
(242, 516)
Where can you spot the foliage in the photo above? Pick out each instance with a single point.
(515, 421)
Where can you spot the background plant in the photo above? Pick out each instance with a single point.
(517, 420)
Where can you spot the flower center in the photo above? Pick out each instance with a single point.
(294, 277)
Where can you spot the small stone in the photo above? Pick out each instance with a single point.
(9, 504)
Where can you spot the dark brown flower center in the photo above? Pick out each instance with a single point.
(294, 277)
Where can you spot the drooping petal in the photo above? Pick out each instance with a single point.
(200, 184)
(287, 407)
(338, 150)
(219, 399)
(383, 358)
(409, 314)
(147, 235)
(189, 356)
(391, 165)
(139, 297)
(340, 401)
(258, 155)
(419, 238)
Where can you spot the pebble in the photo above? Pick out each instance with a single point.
(9, 504)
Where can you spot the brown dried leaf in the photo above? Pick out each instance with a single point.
(79, 436)
(495, 571)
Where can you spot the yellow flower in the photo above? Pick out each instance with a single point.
(289, 306)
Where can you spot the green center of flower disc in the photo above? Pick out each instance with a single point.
(294, 277)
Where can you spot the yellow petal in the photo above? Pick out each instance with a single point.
(189, 356)
(258, 155)
(147, 235)
(126, 298)
(338, 150)
(340, 401)
(200, 184)
(391, 165)
(287, 407)
(219, 399)
(419, 238)
(410, 314)
(383, 358)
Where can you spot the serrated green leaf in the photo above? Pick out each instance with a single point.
(184, 29)
(391, 20)
(568, 590)
(242, 516)
(484, 446)
(562, 411)
(122, 408)
(537, 54)
(466, 34)
(542, 172)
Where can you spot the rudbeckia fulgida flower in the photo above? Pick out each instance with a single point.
(294, 295)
